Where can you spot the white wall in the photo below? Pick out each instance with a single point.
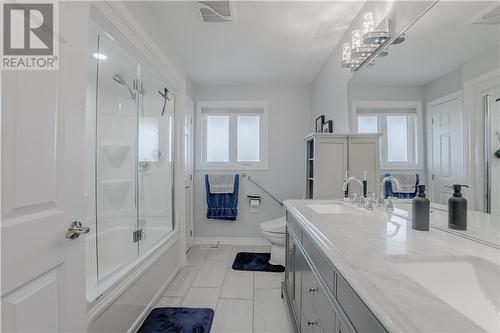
(289, 122)
(453, 81)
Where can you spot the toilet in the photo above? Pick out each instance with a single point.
(274, 231)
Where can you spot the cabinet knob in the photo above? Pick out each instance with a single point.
(313, 290)
(312, 323)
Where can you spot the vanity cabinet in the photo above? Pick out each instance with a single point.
(318, 298)
(329, 156)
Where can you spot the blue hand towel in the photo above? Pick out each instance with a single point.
(222, 206)
(401, 195)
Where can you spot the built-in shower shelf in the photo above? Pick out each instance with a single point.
(116, 189)
(115, 153)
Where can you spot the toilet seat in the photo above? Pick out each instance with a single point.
(276, 226)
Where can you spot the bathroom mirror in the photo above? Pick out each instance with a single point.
(436, 99)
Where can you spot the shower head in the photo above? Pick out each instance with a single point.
(120, 80)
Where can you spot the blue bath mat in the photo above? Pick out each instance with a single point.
(249, 261)
(178, 320)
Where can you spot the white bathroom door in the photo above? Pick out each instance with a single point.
(188, 158)
(446, 155)
(42, 125)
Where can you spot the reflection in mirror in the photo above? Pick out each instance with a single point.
(435, 99)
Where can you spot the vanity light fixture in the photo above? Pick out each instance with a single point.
(366, 41)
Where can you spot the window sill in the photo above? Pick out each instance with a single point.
(401, 168)
(233, 167)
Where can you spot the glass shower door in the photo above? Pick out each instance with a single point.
(155, 167)
(116, 150)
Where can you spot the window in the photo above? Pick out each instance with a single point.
(232, 135)
(399, 124)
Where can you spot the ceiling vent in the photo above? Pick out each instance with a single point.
(490, 15)
(216, 11)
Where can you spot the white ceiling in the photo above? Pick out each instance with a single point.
(268, 42)
(441, 41)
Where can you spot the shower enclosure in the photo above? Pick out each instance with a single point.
(491, 146)
(132, 155)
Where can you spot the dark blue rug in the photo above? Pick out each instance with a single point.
(249, 261)
(178, 320)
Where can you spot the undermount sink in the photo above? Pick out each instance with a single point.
(330, 208)
(469, 284)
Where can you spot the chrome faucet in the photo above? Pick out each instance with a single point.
(357, 199)
(381, 200)
(370, 200)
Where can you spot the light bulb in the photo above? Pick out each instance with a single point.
(346, 52)
(368, 23)
(356, 38)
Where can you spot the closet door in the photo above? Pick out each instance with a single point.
(329, 167)
(42, 144)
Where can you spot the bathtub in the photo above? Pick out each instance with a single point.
(124, 294)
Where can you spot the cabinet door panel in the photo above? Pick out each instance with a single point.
(359, 315)
(329, 168)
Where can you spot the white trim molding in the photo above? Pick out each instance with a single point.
(232, 108)
(417, 106)
(463, 142)
(473, 89)
(229, 241)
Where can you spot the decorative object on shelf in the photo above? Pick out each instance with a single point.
(319, 123)
(367, 41)
(327, 127)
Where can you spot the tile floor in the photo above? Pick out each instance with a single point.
(243, 301)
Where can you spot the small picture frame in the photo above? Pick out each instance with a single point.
(327, 127)
(319, 123)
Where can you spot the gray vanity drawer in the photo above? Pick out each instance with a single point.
(359, 315)
(312, 289)
(323, 266)
(309, 321)
(294, 226)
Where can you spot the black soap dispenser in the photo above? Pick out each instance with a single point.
(457, 209)
(420, 207)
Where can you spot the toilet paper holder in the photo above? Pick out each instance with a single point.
(254, 203)
(254, 197)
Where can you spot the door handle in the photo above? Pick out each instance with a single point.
(75, 230)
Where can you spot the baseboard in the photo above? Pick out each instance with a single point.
(229, 241)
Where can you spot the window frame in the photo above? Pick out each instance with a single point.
(233, 109)
(390, 108)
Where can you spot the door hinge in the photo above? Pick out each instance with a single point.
(137, 235)
(191, 233)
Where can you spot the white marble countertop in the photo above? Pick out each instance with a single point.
(359, 245)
